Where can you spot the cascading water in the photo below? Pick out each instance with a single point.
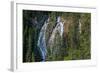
(41, 40)
(59, 27)
(52, 42)
(80, 26)
(60, 23)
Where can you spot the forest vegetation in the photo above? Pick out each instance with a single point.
(74, 44)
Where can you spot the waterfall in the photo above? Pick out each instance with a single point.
(51, 43)
(59, 27)
(60, 23)
(80, 26)
(41, 40)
